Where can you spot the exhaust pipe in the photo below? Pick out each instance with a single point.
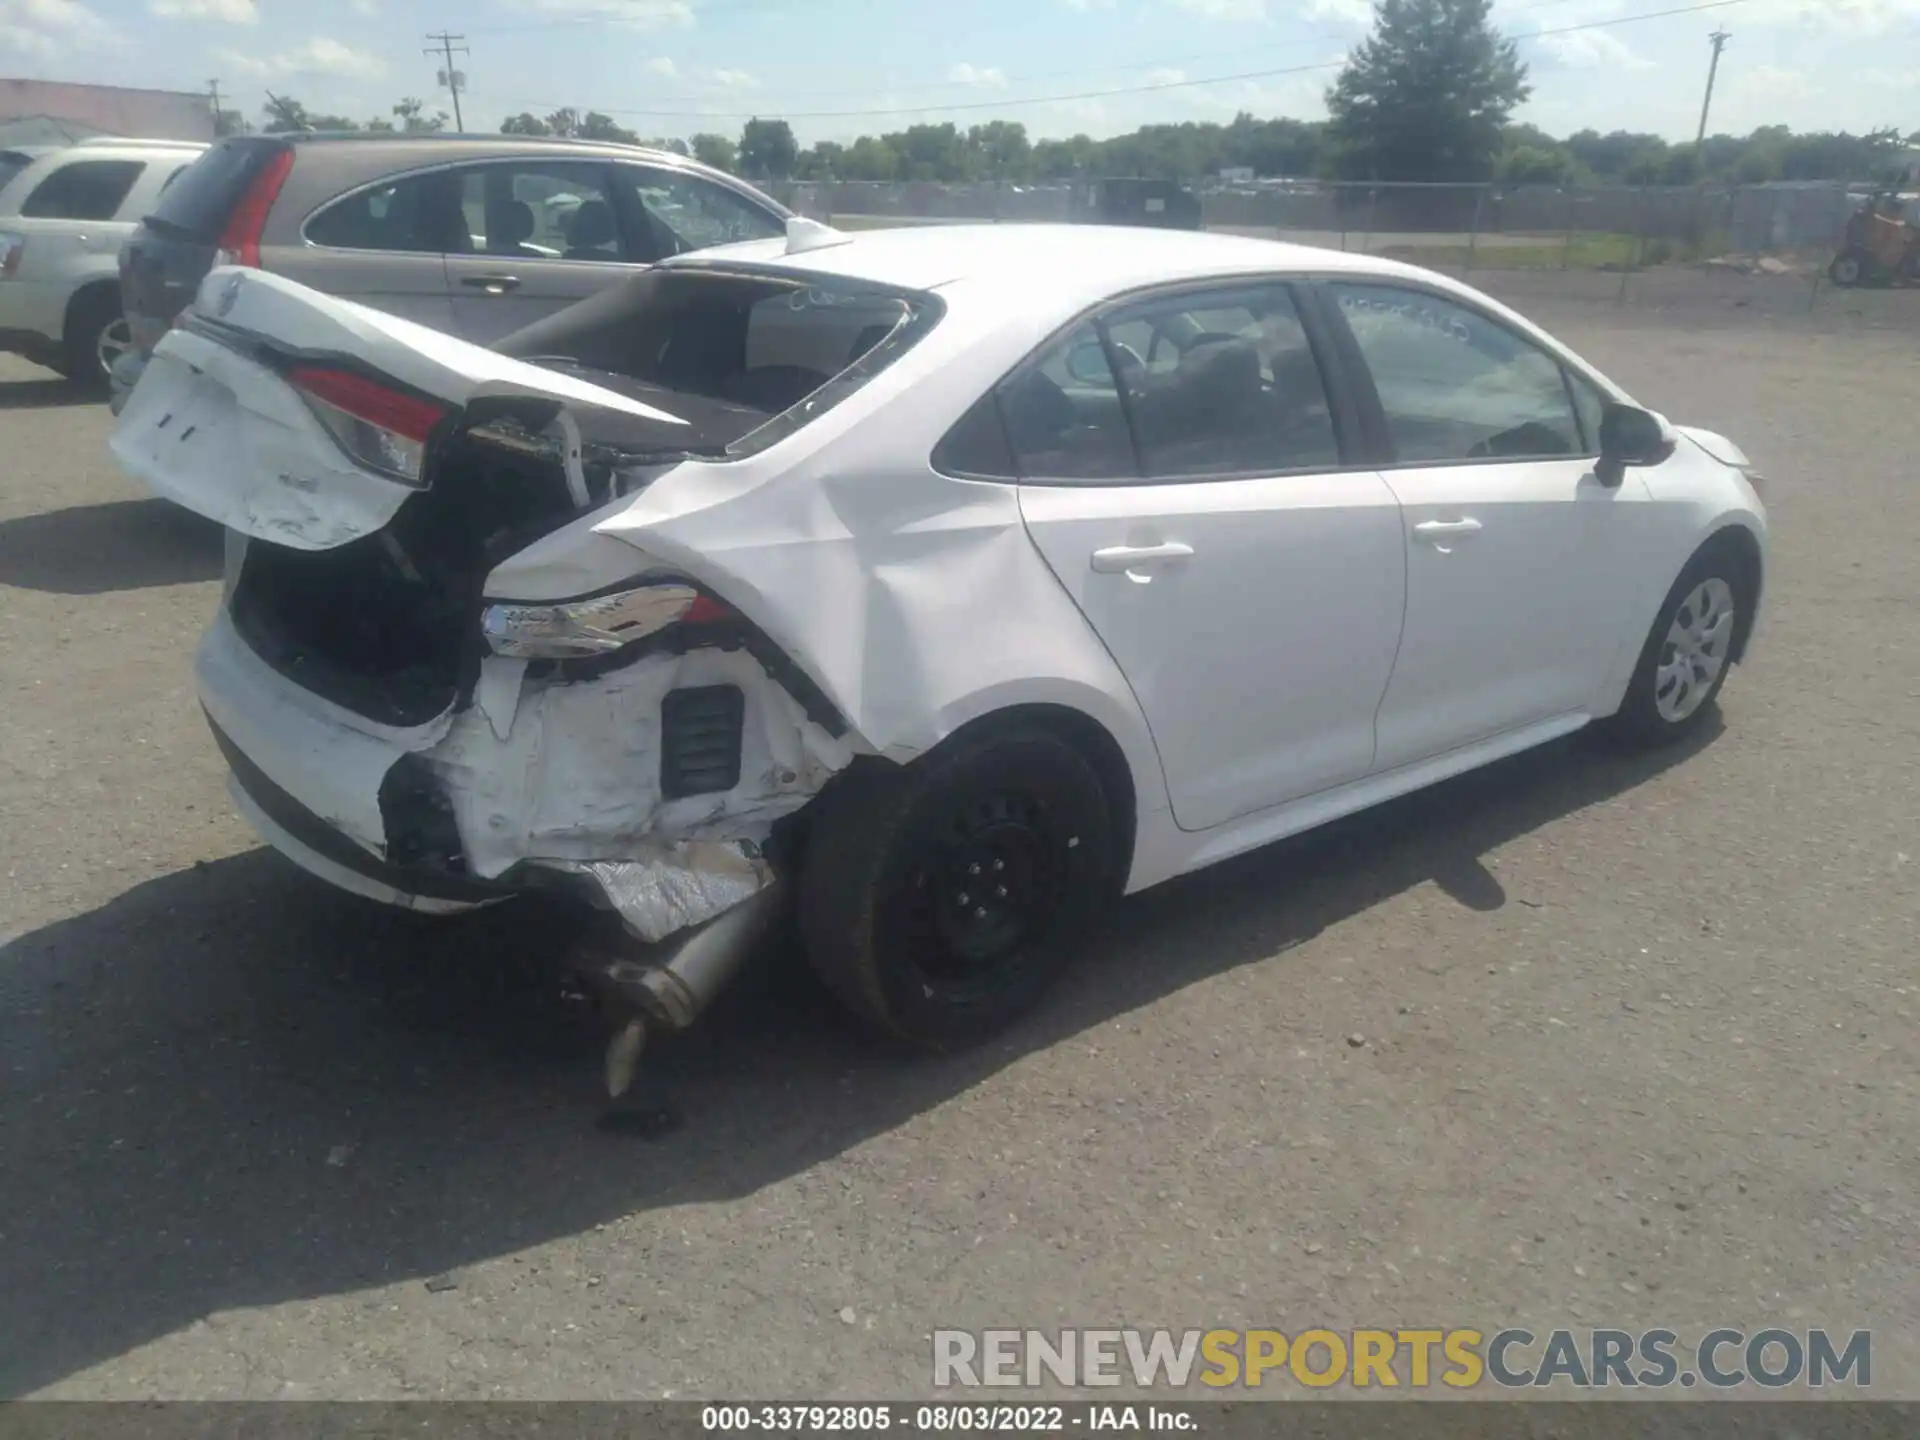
(673, 988)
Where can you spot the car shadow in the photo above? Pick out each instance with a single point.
(45, 395)
(230, 1086)
(117, 545)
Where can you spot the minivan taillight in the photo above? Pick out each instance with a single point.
(380, 427)
(240, 241)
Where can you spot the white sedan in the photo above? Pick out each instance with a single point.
(947, 582)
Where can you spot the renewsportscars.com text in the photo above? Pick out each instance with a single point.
(1460, 1359)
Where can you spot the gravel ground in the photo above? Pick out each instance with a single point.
(1635, 1038)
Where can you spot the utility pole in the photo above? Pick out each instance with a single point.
(213, 93)
(1719, 39)
(444, 47)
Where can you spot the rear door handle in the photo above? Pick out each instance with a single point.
(1447, 527)
(1120, 558)
(492, 284)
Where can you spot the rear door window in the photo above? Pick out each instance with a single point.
(540, 210)
(680, 212)
(1064, 416)
(1232, 388)
(418, 215)
(83, 190)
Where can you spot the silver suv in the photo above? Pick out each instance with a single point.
(64, 214)
(477, 236)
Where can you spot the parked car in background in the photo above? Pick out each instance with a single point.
(477, 236)
(64, 213)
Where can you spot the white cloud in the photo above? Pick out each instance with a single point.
(318, 56)
(1594, 50)
(987, 77)
(1226, 9)
(663, 65)
(1848, 17)
(1088, 4)
(366, 7)
(1165, 77)
(233, 12)
(734, 79)
(1344, 12)
(48, 27)
(636, 14)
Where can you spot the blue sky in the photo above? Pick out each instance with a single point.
(706, 64)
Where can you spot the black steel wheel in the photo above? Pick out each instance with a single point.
(941, 900)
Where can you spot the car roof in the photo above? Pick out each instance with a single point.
(1066, 259)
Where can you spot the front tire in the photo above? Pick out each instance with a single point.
(941, 901)
(1849, 268)
(1688, 652)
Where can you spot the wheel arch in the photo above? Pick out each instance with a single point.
(1743, 546)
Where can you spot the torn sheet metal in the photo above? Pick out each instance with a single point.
(667, 888)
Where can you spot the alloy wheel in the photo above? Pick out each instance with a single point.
(1695, 650)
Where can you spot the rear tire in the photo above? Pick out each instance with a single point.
(941, 901)
(97, 335)
(1688, 652)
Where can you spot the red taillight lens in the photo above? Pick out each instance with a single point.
(240, 241)
(404, 415)
(705, 610)
(382, 428)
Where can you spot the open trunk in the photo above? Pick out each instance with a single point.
(379, 471)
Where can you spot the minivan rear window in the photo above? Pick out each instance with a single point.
(199, 200)
(780, 346)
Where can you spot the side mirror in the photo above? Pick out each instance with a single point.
(1088, 364)
(1631, 436)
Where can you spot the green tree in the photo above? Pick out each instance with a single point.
(1427, 94)
(672, 145)
(870, 158)
(411, 114)
(286, 115)
(768, 150)
(595, 126)
(563, 122)
(715, 150)
(1001, 150)
(1536, 165)
(524, 124)
(229, 122)
(825, 160)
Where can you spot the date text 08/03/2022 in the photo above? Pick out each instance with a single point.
(942, 1419)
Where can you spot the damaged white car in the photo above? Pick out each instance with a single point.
(947, 582)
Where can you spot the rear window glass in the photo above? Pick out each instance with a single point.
(762, 345)
(201, 197)
(83, 190)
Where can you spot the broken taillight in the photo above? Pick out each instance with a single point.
(240, 241)
(380, 427)
(579, 629)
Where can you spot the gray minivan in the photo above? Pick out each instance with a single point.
(477, 236)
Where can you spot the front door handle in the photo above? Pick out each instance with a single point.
(1127, 558)
(492, 284)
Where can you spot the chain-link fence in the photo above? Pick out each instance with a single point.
(1778, 229)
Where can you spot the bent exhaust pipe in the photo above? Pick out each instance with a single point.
(674, 988)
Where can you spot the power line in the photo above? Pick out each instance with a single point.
(444, 46)
(1150, 88)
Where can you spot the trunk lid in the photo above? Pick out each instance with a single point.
(215, 425)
